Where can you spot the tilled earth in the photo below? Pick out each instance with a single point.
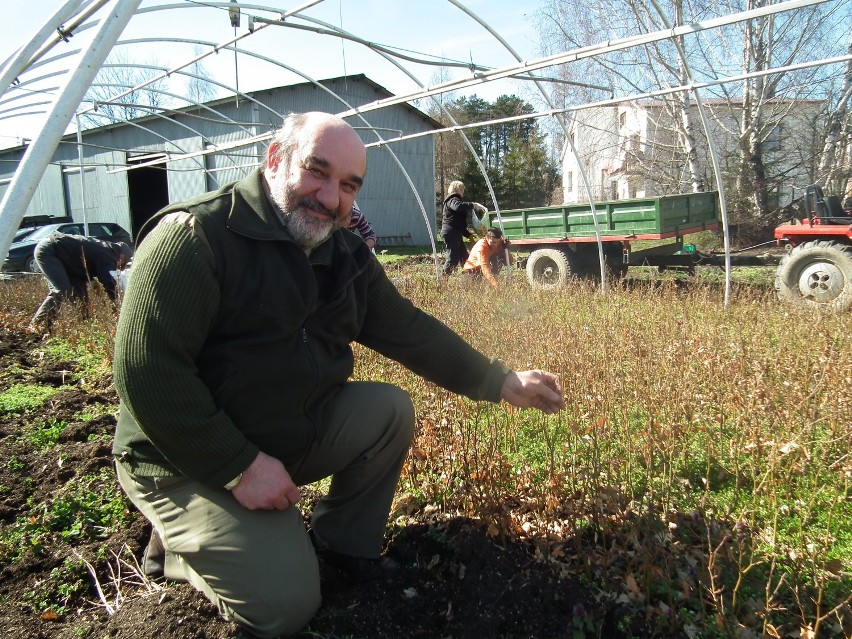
(455, 580)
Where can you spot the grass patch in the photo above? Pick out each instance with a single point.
(52, 595)
(397, 254)
(87, 508)
(22, 398)
(85, 355)
(45, 434)
(91, 412)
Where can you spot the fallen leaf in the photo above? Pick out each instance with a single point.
(834, 566)
(633, 587)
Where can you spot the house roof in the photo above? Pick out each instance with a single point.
(258, 95)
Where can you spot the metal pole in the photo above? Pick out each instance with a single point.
(82, 174)
(38, 154)
(19, 61)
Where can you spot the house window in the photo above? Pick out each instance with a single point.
(635, 141)
(773, 139)
(569, 181)
(622, 119)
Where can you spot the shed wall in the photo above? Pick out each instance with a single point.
(387, 198)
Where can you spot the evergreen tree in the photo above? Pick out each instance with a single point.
(514, 154)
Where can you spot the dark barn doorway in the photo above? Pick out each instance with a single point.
(147, 190)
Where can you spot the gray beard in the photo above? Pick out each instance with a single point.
(306, 230)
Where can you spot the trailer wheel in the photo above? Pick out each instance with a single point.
(549, 268)
(816, 274)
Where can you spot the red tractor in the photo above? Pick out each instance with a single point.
(818, 269)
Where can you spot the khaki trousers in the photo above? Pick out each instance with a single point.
(259, 567)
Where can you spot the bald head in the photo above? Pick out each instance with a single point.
(303, 130)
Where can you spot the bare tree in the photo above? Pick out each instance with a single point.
(767, 126)
(450, 149)
(566, 24)
(835, 171)
(775, 119)
(119, 76)
(198, 87)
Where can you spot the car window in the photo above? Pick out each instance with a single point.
(99, 230)
(40, 233)
(71, 229)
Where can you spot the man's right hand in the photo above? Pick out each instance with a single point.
(266, 485)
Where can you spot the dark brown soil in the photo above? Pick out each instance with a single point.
(455, 579)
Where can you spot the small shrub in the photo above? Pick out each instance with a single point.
(54, 594)
(46, 434)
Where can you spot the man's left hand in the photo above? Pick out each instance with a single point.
(534, 389)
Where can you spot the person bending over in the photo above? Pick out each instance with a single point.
(69, 263)
(487, 257)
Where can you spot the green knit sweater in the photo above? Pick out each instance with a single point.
(231, 339)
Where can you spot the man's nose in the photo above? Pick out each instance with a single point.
(329, 195)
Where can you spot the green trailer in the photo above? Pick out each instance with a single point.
(562, 243)
(562, 240)
(619, 220)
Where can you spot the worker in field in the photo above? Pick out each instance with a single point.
(232, 361)
(487, 257)
(69, 263)
(358, 224)
(456, 223)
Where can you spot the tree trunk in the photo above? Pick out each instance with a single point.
(830, 170)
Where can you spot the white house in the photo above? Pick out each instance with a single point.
(635, 149)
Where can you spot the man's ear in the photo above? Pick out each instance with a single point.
(273, 159)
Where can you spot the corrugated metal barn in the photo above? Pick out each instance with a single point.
(133, 169)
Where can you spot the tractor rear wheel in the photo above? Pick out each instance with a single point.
(816, 274)
(549, 268)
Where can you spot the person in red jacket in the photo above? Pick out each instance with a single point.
(487, 257)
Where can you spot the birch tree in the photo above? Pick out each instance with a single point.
(778, 116)
(568, 24)
(835, 170)
(196, 87)
(773, 129)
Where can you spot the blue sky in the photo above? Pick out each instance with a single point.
(421, 28)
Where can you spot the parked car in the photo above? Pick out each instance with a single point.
(20, 234)
(20, 256)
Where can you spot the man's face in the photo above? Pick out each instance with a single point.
(493, 240)
(316, 188)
